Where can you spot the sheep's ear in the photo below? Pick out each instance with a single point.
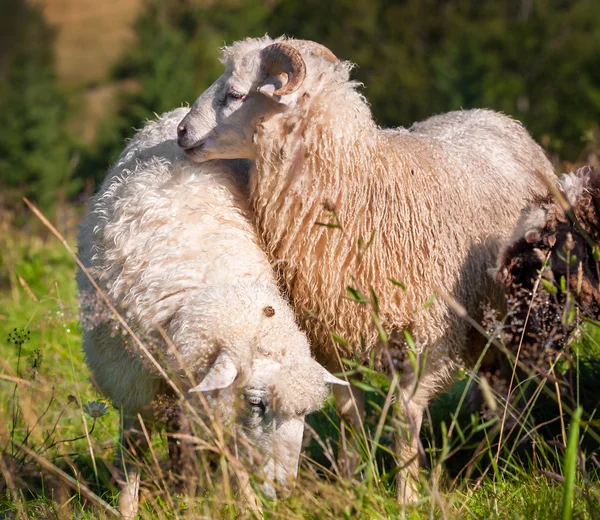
(267, 90)
(270, 90)
(221, 375)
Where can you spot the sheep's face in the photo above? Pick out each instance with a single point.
(223, 98)
(266, 80)
(270, 437)
(232, 138)
(266, 405)
(217, 104)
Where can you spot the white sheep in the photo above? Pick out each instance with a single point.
(427, 206)
(172, 245)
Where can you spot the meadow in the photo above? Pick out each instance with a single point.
(77, 77)
(58, 436)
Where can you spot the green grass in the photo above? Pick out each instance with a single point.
(38, 294)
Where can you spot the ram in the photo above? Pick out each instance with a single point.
(172, 245)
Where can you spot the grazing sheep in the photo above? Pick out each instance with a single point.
(172, 245)
(427, 207)
(548, 234)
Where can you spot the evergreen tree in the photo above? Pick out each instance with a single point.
(537, 60)
(34, 148)
(174, 60)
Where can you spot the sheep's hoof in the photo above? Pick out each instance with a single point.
(129, 500)
(406, 489)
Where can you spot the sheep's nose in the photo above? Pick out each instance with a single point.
(181, 132)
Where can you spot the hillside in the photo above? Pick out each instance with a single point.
(90, 36)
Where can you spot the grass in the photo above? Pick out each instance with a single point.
(43, 418)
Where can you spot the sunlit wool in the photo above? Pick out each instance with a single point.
(173, 245)
(434, 204)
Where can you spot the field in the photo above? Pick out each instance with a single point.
(69, 98)
(58, 449)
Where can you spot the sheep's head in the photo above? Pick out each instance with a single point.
(261, 81)
(267, 402)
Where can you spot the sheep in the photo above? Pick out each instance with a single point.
(426, 206)
(546, 229)
(172, 245)
(549, 266)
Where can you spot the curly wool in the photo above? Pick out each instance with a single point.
(428, 206)
(172, 245)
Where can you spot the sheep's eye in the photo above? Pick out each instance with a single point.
(234, 94)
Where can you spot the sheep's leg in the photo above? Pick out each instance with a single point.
(350, 404)
(408, 419)
(133, 447)
(408, 416)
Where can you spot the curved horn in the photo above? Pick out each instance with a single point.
(280, 58)
(320, 51)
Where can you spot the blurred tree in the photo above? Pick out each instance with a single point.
(34, 146)
(537, 60)
(174, 60)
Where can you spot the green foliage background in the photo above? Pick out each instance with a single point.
(34, 145)
(537, 60)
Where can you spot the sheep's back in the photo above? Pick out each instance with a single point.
(494, 153)
(486, 168)
(490, 165)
